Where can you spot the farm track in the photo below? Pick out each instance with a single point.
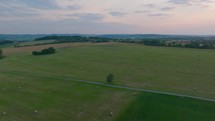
(104, 84)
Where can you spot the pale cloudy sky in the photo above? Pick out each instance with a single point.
(107, 16)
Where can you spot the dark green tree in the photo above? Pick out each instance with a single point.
(110, 78)
(50, 50)
(1, 54)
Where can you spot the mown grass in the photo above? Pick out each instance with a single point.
(155, 68)
(57, 100)
(186, 71)
(157, 107)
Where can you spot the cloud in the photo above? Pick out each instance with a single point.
(37, 4)
(167, 8)
(142, 11)
(190, 2)
(26, 8)
(74, 7)
(86, 16)
(117, 14)
(18, 11)
(42, 4)
(187, 2)
(91, 17)
(158, 14)
(65, 26)
(149, 5)
(69, 16)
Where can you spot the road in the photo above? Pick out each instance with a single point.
(107, 85)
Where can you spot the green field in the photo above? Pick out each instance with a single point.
(156, 107)
(184, 71)
(7, 45)
(155, 68)
(57, 100)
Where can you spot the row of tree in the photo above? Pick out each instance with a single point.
(50, 50)
(169, 43)
(63, 39)
(3, 42)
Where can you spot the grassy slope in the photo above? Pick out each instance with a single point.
(166, 69)
(156, 107)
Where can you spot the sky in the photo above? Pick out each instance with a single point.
(187, 17)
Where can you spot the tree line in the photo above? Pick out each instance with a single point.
(3, 42)
(197, 43)
(64, 39)
(206, 44)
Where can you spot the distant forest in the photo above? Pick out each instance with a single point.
(199, 44)
(5, 42)
(64, 39)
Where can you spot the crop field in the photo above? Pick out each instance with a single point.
(33, 88)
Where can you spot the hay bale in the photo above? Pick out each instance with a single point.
(149, 86)
(194, 89)
(4, 113)
(111, 114)
(35, 111)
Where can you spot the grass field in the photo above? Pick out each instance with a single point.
(7, 45)
(185, 71)
(57, 100)
(154, 68)
(156, 107)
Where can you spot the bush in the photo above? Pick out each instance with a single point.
(110, 78)
(50, 50)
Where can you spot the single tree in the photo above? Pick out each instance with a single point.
(110, 78)
(1, 54)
